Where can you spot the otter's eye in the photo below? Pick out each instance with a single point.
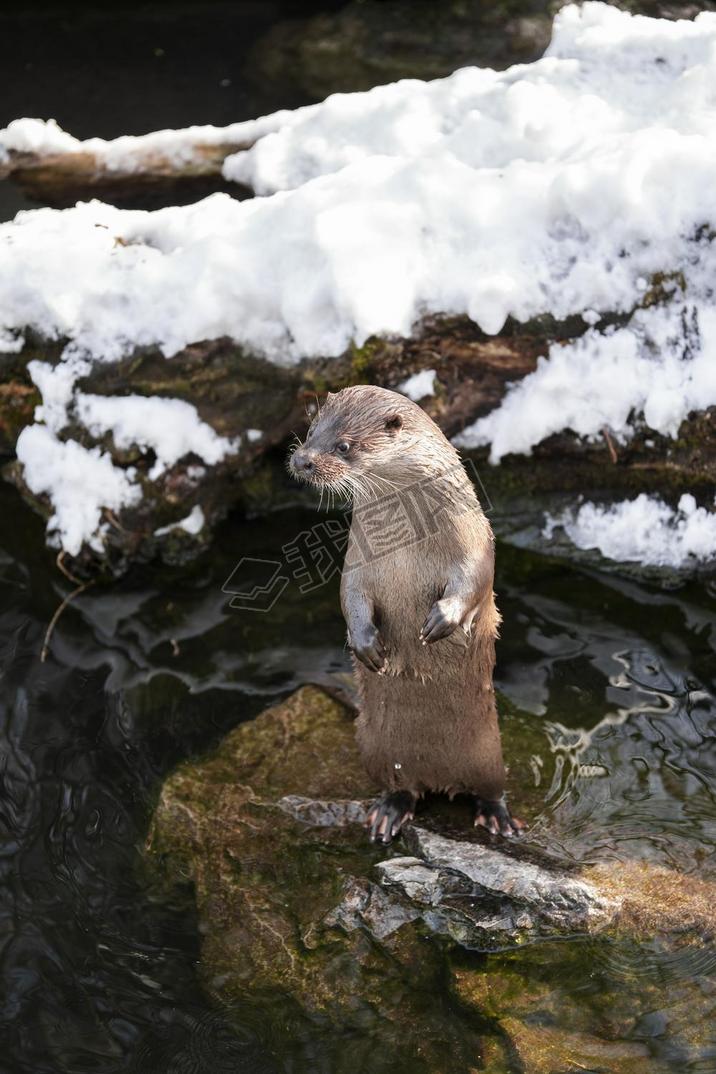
(343, 447)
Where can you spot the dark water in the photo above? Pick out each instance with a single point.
(609, 684)
(130, 68)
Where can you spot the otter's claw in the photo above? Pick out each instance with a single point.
(496, 817)
(440, 623)
(389, 814)
(370, 650)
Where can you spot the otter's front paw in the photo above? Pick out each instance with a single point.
(443, 619)
(369, 648)
(496, 817)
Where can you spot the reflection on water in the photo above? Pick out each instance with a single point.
(623, 677)
(609, 694)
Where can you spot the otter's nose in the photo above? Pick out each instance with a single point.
(302, 461)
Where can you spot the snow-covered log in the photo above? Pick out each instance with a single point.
(529, 253)
(53, 167)
(142, 456)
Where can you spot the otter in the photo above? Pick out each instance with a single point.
(417, 597)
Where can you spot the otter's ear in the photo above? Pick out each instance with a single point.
(393, 423)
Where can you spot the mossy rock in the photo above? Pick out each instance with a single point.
(306, 922)
(587, 1006)
(267, 887)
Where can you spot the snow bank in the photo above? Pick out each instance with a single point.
(605, 77)
(80, 482)
(171, 428)
(644, 530)
(661, 366)
(560, 186)
(36, 136)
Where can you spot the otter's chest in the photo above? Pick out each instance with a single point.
(402, 575)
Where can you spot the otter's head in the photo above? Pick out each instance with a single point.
(365, 441)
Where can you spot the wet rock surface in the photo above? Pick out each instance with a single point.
(370, 42)
(295, 906)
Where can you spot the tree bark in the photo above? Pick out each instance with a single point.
(144, 179)
(234, 391)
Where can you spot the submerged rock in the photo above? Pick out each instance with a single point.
(370, 42)
(334, 936)
(282, 903)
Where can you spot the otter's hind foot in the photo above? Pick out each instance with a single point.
(496, 817)
(389, 814)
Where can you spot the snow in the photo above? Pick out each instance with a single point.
(171, 428)
(56, 385)
(10, 343)
(80, 482)
(193, 523)
(645, 530)
(560, 186)
(605, 77)
(419, 385)
(36, 136)
(654, 367)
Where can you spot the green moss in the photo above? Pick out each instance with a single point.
(593, 1020)
(362, 358)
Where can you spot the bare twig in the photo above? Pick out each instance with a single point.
(111, 517)
(60, 561)
(53, 622)
(610, 444)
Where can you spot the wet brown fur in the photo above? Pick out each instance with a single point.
(428, 720)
